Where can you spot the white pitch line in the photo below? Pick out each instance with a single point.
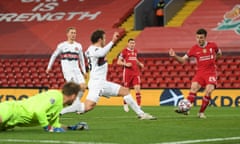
(49, 141)
(201, 140)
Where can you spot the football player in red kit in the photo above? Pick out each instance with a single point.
(205, 54)
(131, 74)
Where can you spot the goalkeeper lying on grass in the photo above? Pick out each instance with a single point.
(42, 109)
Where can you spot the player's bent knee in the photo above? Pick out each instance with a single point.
(83, 86)
(123, 91)
(89, 105)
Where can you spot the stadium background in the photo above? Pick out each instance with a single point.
(31, 29)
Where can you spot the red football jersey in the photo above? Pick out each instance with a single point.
(130, 56)
(205, 57)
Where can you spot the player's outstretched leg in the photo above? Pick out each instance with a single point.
(141, 114)
(205, 103)
(125, 107)
(74, 107)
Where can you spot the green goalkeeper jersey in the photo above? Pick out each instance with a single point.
(42, 109)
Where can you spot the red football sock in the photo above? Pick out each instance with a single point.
(138, 98)
(191, 97)
(205, 102)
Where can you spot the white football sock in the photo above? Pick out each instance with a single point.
(130, 101)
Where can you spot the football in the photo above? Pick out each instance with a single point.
(184, 105)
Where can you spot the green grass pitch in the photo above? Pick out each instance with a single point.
(111, 125)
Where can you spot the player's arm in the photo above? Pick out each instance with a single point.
(122, 62)
(53, 125)
(140, 64)
(219, 54)
(41, 116)
(46, 112)
(82, 62)
(103, 51)
(53, 57)
(180, 59)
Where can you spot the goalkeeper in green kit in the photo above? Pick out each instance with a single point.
(42, 109)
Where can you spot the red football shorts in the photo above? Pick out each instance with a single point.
(205, 78)
(131, 80)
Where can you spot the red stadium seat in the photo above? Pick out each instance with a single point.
(181, 85)
(18, 75)
(34, 75)
(164, 73)
(8, 69)
(236, 84)
(20, 82)
(153, 85)
(1, 69)
(163, 85)
(145, 85)
(172, 85)
(227, 85)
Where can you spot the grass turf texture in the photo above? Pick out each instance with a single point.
(110, 124)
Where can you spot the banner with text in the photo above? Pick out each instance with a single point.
(150, 97)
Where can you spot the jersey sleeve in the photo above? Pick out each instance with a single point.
(54, 121)
(46, 107)
(82, 60)
(55, 54)
(121, 55)
(102, 52)
(217, 49)
(42, 118)
(190, 52)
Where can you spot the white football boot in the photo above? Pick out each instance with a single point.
(201, 115)
(125, 108)
(146, 116)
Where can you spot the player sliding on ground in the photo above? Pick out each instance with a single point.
(98, 85)
(205, 54)
(42, 109)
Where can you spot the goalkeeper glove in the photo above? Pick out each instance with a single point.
(51, 129)
(79, 126)
(47, 128)
(58, 130)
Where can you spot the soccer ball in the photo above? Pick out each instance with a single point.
(184, 105)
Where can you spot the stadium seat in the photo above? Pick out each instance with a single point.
(153, 85)
(16, 69)
(236, 84)
(144, 85)
(163, 85)
(20, 82)
(18, 75)
(172, 85)
(1, 69)
(181, 85)
(227, 85)
(164, 73)
(8, 69)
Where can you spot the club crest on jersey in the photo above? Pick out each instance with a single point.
(76, 48)
(52, 100)
(204, 51)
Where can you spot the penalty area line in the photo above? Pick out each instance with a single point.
(48, 141)
(201, 140)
